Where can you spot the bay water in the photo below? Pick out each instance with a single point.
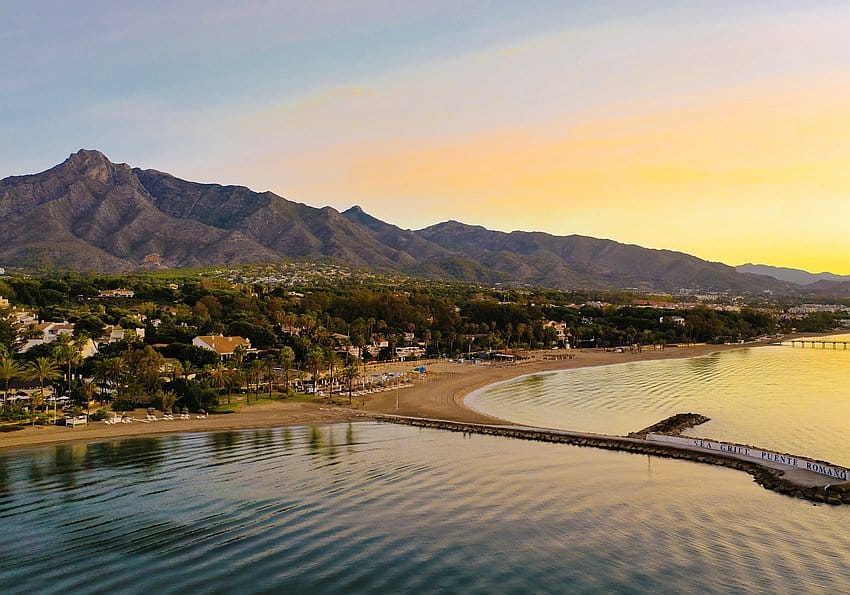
(778, 397)
(381, 508)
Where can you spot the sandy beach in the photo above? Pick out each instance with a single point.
(439, 396)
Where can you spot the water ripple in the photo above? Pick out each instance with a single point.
(792, 400)
(397, 509)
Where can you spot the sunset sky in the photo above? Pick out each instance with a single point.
(721, 129)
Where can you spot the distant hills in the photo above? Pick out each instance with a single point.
(88, 213)
(798, 276)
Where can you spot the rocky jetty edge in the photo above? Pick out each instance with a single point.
(768, 477)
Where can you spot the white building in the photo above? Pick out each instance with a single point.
(407, 352)
(113, 334)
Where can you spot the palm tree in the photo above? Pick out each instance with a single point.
(236, 378)
(100, 375)
(89, 390)
(332, 360)
(350, 374)
(239, 353)
(314, 360)
(9, 369)
(255, 373)
(189, 369)
(220, 376)
(286, 357)
(44, 370)
(114, 369)
(269, 364)
(177, 370)
(67, 352)
(169, 399)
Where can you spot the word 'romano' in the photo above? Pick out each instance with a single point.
(838, 473)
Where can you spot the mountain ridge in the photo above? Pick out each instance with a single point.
(791, 275)
(88, 213)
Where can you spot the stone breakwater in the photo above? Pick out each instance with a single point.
(768, 477)
(673, 425)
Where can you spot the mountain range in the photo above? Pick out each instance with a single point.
(88, 213)
(798, 276)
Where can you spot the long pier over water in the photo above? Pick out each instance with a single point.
(813, 343)
(791, 475)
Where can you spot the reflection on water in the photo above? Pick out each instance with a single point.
(222, 443)
(316, 439)
(331, 445)
(263, 439)
(5, 478)
(138, 453)
(791, 400)
(399, 509)
(286, 438)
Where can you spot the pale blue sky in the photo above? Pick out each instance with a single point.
(513, 115)
(122, 75)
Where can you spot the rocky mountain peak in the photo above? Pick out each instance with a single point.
(92, 164)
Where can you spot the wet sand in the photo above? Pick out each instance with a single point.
(438, 396)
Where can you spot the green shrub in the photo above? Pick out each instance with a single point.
(14, 415)
(194, 396)
(98, 415)
(123, 404)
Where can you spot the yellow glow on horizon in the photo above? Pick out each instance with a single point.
(762, 176)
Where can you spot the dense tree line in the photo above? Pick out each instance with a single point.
(321, 331)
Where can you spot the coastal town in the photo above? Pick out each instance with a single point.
(80, 346)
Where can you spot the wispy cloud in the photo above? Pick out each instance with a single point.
(616, 119)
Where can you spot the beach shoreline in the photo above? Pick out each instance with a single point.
(440, 395)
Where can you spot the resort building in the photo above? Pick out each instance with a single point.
(117, 293)
(113, 334)
(408, 352)
(223, 346)
(562, 332)
(51, 331)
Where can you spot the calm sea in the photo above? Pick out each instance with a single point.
(374, 508)
(791, 399)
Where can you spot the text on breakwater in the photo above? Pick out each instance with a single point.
(838, 473)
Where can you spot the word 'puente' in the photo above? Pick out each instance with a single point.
(787, 474)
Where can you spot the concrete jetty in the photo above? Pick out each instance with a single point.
(795, 476)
